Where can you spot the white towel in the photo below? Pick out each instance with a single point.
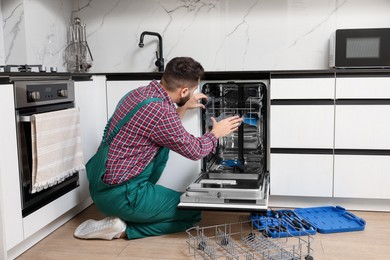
(56, 147)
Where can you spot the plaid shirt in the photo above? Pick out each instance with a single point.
(155, 125)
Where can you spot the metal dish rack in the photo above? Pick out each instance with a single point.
(242, 240)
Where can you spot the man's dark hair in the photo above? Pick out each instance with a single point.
(182, 71)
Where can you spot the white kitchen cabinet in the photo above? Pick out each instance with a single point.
(302, 123)
(302, 126)
(362, 176)
(117, 89)
(362, 127)
(91, 100)
(301, 174)
(3, 251)
(302, 88)
(21, 233)
(179, 171)
(9, 171)
(363, 88)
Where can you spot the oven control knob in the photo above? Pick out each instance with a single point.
(34, 96)
(63, 93)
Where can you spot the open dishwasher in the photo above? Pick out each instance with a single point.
(236, 176)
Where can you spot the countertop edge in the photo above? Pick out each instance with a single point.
(254, 74)
(8, 77)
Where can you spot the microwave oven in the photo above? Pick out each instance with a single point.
(360, 48)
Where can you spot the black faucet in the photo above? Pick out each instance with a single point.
(160, 59)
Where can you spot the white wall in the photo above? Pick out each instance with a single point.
(2, 227)
(46, 31)
(14, 32)
(221, 34)
(1, 38)
(34, 32)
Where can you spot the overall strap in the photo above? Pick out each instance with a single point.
(124, 120)
(109, 121)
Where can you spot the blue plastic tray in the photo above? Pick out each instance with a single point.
(331, 219)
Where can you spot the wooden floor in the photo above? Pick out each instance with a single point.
(372, 243)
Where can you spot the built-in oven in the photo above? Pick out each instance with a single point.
(34, 97)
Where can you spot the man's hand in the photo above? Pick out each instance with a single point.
(192, 103)
(226, 126)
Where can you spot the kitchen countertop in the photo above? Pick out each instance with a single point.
(8, 77)
(237, 75)
(220, 75)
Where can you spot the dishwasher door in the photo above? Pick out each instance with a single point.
(236, 176)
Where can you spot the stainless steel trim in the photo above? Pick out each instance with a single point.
(219, 182)
(222, 206)
(235, 176)
(24, 119)
(48, 77)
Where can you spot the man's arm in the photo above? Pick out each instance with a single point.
(169, 132)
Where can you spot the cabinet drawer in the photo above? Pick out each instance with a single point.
(363, 88)
(362, 176)
(301, 174)
(301, 126)
(302, 88)
(362, 127)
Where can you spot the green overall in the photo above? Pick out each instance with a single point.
(148, 209)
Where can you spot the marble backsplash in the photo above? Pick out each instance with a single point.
(34, 32)
(221, 34)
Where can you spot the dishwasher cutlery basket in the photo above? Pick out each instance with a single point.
(243, 240)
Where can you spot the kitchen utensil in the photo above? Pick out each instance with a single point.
(78, 55)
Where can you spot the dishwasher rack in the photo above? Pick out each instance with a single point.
(242, 240)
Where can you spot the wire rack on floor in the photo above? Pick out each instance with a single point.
(242, 240)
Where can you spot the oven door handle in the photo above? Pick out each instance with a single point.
(24, 119)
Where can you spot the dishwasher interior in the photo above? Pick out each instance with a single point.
(236, 176)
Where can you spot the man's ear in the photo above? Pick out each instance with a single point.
(184, 91)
